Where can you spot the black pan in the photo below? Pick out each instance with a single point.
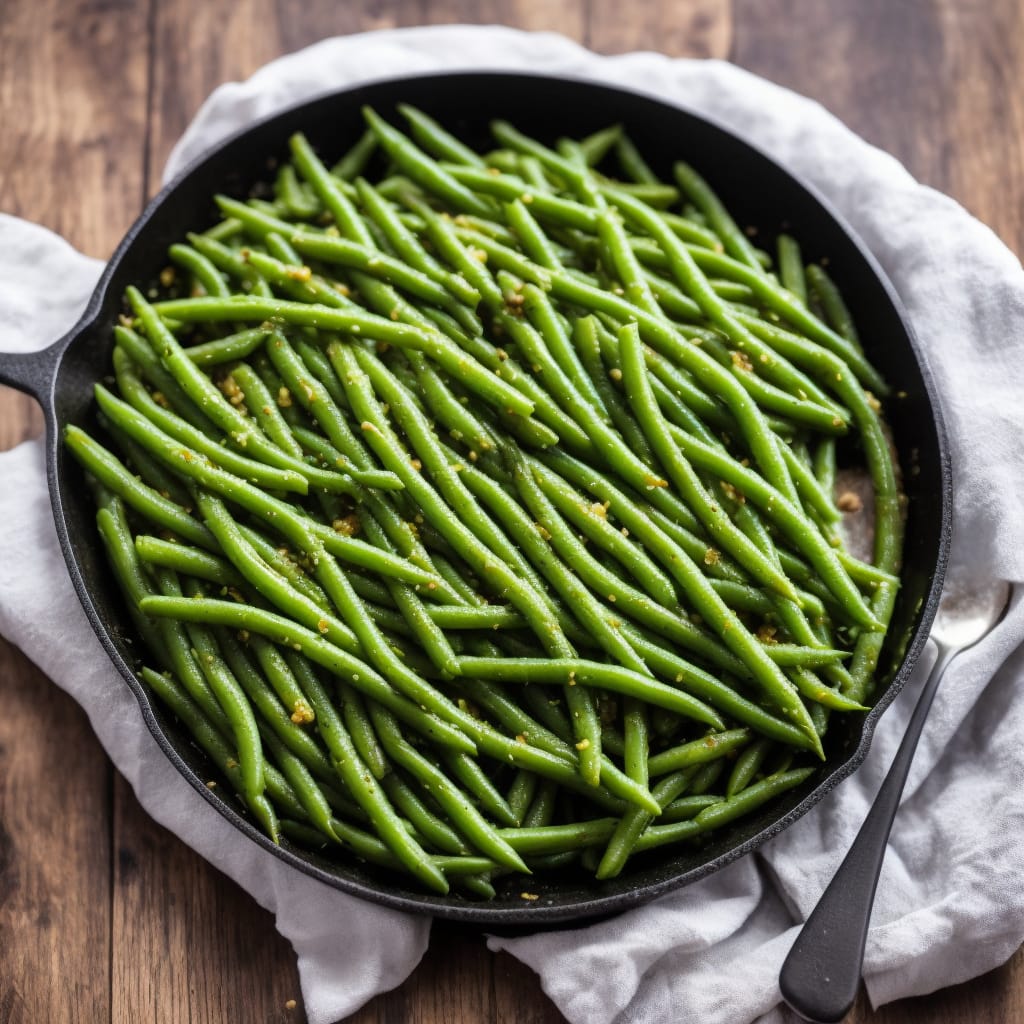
(758, 191)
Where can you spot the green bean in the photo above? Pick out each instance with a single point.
(200, 267)
(226, 349)
(815, 690)
(188, 560)
(461, 812)
(521, 793)
(154, 506)
(685, 808)
(432, 136)
(272, 477)
(281, 515)
(421, 168)
(596, 146)
(360, 728)
(317, 400)
(267, 581)
(278, 559)
(426, 823)
(594, 616)
(784, 304)
(663, 337)
(212, 742)
(698, 752)
(658, 195)
(323, 450)
(349, 254)
(112, 525)
(609, 401)
(308, 793)
(233, 263)
(495, 552)
(232, 700)
(591, 519)
(700, 194)
(330, 190)
(539, 840)
(476, 553)
(282, 680)
(146, 468)
(836, 313)
(632, 163)
(476, 782)
(284, 631)
(791, 268)
(749, 799)
(289, 190)
(508, 189)
(591, 673)
(666, 444)
(490, 387)
(572, 169)
(224, 231)
(417, 429)
(204, 393)
(354, 162)
(814, 497)
(464, 426)
(747, 765)
(634, 822)
(368, 794)
(715, 692)
(265, 409)
(535, 243)
(797, 528)
(409, 247)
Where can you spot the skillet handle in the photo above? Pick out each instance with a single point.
(31, 372)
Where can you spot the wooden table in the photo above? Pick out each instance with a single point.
(105, 915)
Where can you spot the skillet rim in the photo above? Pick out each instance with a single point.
(542, 913)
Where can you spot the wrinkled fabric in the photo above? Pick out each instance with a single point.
(950, 901)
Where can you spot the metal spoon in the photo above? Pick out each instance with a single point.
(820, 977)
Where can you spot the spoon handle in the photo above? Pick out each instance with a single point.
(821, 974)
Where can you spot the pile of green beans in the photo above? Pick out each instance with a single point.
(477, 511)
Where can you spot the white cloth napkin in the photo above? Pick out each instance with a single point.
(951, 902)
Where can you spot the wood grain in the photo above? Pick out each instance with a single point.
(73, 98)
(699, 28)
(103, 914)
(202, 939)
(54, 854)
(935, 84)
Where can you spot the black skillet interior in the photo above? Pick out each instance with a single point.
(759, 193)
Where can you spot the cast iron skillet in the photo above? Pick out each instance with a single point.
(756, 189)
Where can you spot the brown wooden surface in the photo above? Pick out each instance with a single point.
(103, 914)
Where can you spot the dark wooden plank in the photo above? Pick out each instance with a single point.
(569, 17)
(693, 28)
(54, 854)
(72, 86)
(452, 983)
(20, 418)
(935, 84)
(78, 125)
(73, 95)
(186, 942)
(228, 42)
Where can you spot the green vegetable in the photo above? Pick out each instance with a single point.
(479, 519)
